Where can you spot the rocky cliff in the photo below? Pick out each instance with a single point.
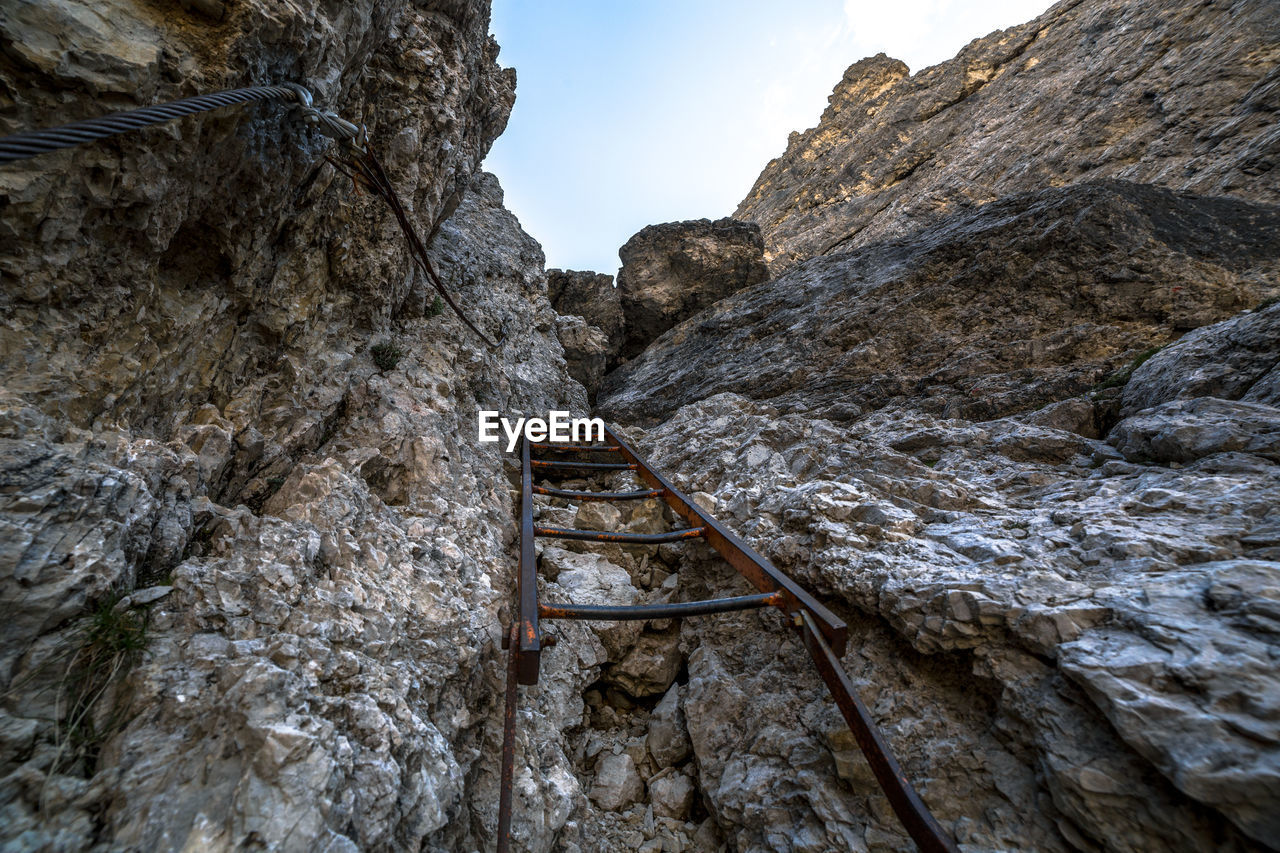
(1023, 302)
(1009, 406)
(1181, 95)
(254, 564)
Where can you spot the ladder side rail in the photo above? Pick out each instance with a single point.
(755, 568)
(906, 803)
(529, 643)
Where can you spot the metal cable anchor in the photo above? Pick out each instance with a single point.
(330, 123)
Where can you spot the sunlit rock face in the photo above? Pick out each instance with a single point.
(1181, 95)
(1066, 647)
(1009, 406)
(226, 396)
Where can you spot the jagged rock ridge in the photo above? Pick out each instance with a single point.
(1181, 95)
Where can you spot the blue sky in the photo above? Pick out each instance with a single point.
(633, 113)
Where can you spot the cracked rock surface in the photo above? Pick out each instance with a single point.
(1064, 648)
(255, 566)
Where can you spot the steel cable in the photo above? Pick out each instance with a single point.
(20, 146)
(360, 162)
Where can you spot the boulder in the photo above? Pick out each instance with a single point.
(671, 794)
(1186, 430)
(587, 578)
(672, 271)
(586, 351)
(650, 666)
(591, 296)
(1237, 359)
(617, 784)
(598, 515)
(1077, 415)
(1114, 638)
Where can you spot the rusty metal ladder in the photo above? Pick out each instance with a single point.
(824, 634)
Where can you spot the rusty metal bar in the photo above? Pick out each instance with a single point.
(751, 565)
(530, 639)
(549, 445)
(907, 805)
(597, 496)
(670, 610)
(625, 538)
(505, 781)
(588, 466)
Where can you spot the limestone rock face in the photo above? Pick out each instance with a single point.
(182, 296)
(188, 399)
(674, 270)
(590, 329)
(668, 737)
(1058, 643)
(617, 784)
(1187, 430)
(650, 666)
(586, 351)
(1026, 301)
(1179, 95)
(326, 667)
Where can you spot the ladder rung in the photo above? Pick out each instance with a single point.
(601, 448)
(609, 536)
(597, 496)
(593, 466)
(658, 611)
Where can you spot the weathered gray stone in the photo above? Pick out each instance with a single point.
(617, 784)
(1049, 566)
(586, 351)
(668, 739)
(598, 515)
(676, 269)
(333, 549)
(1078, 415)
(1237, 359)
(1028, 300)
(650, 666)
(591, 579)
(1186, 430)
(592, 297)
(1066, 648)
(671, 793)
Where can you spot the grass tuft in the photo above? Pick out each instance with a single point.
(112, 639)
(1121, 376)
(386, 355)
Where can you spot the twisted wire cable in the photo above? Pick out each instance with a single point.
(20, 146)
